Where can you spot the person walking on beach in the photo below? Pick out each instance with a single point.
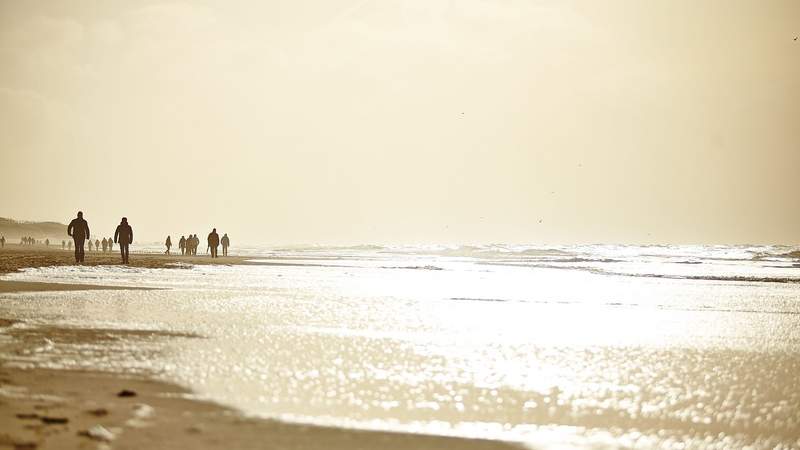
(213, 242)
(192, 244)
(69, 245)
(226, 242)
(78, 229)
(63, 244)
(182, 245)
(2, 241)
(168, 244)
(105, 244)
(47, 242)
(124, 236)
(90, 245)
(97, 245)
(110, 245)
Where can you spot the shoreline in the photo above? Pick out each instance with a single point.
(15, 258)
(46, 408)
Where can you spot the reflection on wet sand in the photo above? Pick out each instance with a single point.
(557, 357)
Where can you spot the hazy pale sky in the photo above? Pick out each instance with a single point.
(345, 121)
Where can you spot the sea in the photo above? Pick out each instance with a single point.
(583, 346)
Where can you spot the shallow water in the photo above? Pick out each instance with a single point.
(589, 347)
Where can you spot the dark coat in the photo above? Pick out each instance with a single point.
(78, 229)
(124, 234)
(213, 239)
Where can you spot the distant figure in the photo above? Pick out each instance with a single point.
(168, 244)
(195, 244)
(110, 244)
(47, 242)
(182, 245)
(104, 243)
(97, 245)
(90, 245)
(63, 244)
(124, 236)
(2, 241)
(226, 242)
(78, 229)
(69, 245)
(213, 242)
(192, 245)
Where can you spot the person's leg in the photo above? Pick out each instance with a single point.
(77, 251)
(122, 252)
(127, 253)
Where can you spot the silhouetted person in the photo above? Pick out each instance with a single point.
(213, 242)
(226, 242)
(47, 242)
(97, 245)
(124, 236)
(69, 245)
(2, 241)
(168, 244)
(90, 245)
(63, 244)
(79, 230)
(182, 245)
(104, 243)
(110, 244)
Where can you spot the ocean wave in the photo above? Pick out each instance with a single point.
(413, 267)
(703, 277)
(698, 308)
(735, 278)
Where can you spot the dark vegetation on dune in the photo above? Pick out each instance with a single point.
(14, 229)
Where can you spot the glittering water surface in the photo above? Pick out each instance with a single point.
(599, 347)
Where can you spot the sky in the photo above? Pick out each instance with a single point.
(406, 121)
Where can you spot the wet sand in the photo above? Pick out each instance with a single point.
(14, 257)
(61, 409)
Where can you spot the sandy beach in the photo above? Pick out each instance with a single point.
(593, 347)
(65, 409)
(14, 257)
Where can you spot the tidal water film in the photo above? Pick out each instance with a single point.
(576, 347)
